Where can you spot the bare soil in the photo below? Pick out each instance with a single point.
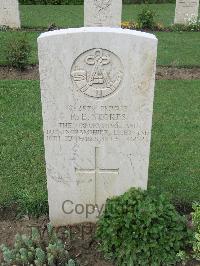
(9, 73)
(170, 73)
(167, 73)
(81, 243)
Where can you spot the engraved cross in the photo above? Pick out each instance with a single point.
(97, 171)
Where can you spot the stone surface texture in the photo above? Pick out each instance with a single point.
(9, 13)
(186, 10)
(97, 90)
(102, 13)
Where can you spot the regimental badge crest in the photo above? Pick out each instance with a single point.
(102, 4)
(97, 73)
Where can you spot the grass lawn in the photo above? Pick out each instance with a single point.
(174, 48)
(175, 154)
(175, 151)
(178, 49)
(37, 16)
(22, 154)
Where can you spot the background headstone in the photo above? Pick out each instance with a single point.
(97, 89)
(185, 10)
(9, 13)
(102, 13)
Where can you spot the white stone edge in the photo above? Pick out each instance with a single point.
(97, 29)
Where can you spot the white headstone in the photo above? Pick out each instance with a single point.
(9, 13)
(97, 89)
(102, 13)
(186, 10)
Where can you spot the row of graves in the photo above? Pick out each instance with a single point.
(100, 12)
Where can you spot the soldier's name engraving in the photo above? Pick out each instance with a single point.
(98, 117)
(84, 123)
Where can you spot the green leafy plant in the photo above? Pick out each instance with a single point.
(193, 26)
(128, 25)
(196, 224)
(4, 28)
(18, 52)
(183, 257)
(131, 25)
(142, 228)
(146, 19)
(35, 250)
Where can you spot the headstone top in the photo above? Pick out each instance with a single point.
(97, 29)
(102, 13)
(9, 13)
(186, 10)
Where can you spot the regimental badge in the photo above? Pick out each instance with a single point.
(97, 73)
(102, 4)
